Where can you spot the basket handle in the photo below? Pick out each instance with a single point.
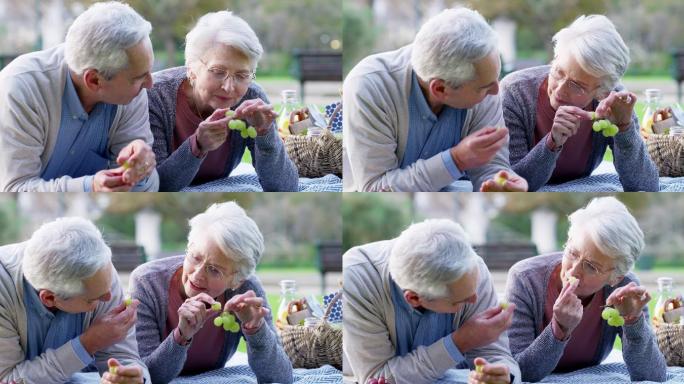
(333, 115)
(331, 304)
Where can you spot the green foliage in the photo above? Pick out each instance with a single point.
(359, 34)
(369, 217)
(10, 222)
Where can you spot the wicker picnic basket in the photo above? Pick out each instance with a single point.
(315, 156)
(667, 153)
(314, 347)
(670, 338)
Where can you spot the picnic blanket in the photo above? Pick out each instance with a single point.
(609, 182)
(241, 374)
(612, 373)
(249, 182)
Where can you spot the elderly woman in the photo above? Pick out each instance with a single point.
(559, 299)
(548, 111)
(188, 108)
(175, 329)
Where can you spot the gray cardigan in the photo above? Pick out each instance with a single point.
(165, 358)
(519, 93)
(538, 351)
(178, 168)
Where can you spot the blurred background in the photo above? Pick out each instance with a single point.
(508, 227)
(287, 29)
(652, 29)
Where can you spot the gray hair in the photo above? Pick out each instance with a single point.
(613, 230)
(63, 253)
(448, 44)
(99, 37)
(222, 28)
(597, 46)
(429, 255)
(235, 233)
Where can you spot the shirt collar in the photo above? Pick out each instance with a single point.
(400, 301)
(419, 100)
(33, 302)
(72, 101)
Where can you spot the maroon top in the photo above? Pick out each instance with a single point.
(581, 349)
(214, 165)
(574, 157)
(205, 350)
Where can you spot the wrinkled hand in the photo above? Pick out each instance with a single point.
(259, 115)
(479, 148)
(213, 131)
(629, 301)
(567, 122)
(567, 311)
(483, 328)
(514, 183)
(130, 374)
(110, 180)
(136, 162)
(110, 329)
(490, 374)
(618, 108)
(193, 313)
(249, 308)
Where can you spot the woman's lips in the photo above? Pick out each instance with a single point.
(194, 286)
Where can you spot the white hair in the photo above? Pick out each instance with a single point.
(99, 37)
(222, 28)
(597, 46)
(614, 231)
(235, 234)
(429, 255)
(63, 253)
(448, 44)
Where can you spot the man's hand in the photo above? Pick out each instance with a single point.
(136, 162)
(131, 374)
(110, 329)
(479, 148)
(110, 180)
(487, 373)
(504, 182)
(483, 328)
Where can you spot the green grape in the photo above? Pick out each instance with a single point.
(235, 328)
(230, 113)
(128, 301)
(218, 321)
(478, 368)
(225, 314)
(619, 321)
(237, 125)
(244, 134)
(594, 116)
(504, 305)
(609, 312)
(216, 306)
(596, 126)
(251, 132)
(112, 370)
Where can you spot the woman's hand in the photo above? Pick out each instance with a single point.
(629, 301)
(249, 308)
(618, 108)
(213, 131)
(192, 314)
(258, 114)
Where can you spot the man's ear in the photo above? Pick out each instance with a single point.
(412, 298)
(438, 89)
(47, 297)
(92, 79)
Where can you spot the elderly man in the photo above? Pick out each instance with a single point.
(421, 304)
(62, 310)
(75, 117)
(421, 117)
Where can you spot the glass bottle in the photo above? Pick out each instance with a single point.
(664, 294)
(290, 104)
(288, 292)
(652, 104)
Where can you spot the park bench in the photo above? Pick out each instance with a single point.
(126, 256)
(678, 71)
(317, 66)
(329, 259)
(502, 256)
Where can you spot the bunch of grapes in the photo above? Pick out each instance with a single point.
(228, 322)
(604, 126)
(613, 317)
(239, 125)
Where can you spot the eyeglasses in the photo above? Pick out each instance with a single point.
(574, 88)
(220, 75)
(197, 260)
(588, 268)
